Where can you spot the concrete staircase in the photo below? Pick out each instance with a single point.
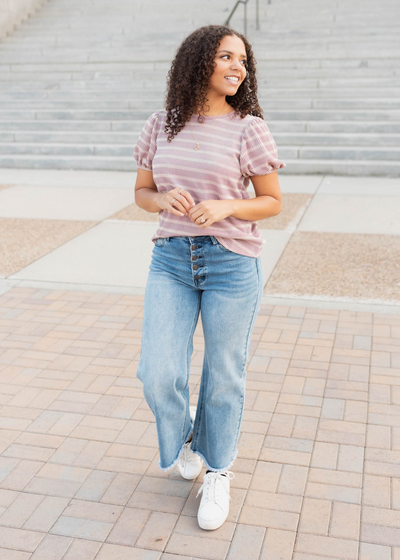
(79, 79)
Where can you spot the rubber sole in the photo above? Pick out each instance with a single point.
(211, 525)
(187, 478)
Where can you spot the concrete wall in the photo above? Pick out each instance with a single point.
(12, 12)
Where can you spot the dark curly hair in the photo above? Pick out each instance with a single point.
(189, 76)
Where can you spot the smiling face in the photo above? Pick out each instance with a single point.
(230, 69)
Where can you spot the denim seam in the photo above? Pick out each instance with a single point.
(245, 359)
(186, 437)
(235, 449)
(200, 401)
(191, 334)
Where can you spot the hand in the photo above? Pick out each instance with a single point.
(180, 206)
(210, 210)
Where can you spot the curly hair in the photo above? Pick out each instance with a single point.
(189, 76)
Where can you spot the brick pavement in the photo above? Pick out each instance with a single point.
(317, 475)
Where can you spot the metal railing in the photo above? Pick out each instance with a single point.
(245, 14)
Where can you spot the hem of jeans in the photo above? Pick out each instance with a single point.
(210, 468)
(175, 462)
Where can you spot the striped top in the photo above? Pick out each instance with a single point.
(231, 151)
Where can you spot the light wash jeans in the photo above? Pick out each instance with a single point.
(189, 274)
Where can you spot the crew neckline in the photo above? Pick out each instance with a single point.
(214, 116)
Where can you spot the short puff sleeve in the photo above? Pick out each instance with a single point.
(258, 153)
(146, 145)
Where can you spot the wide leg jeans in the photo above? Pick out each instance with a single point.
(189, 275)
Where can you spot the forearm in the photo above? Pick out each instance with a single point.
(146, 198)
(254, 209)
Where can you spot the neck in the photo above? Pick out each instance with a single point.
(215, 108)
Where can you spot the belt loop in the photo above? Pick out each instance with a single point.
(214, 241)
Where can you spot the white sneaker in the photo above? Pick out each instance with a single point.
(193, 410)
(189, 463)
(214, 505)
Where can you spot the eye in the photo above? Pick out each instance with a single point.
(243, 61)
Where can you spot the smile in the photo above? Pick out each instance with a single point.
(232, 79)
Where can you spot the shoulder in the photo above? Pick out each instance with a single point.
(159, 118)
(155, 117)
(254, 124)
(154, 122)
(256, 131)
(160, 114)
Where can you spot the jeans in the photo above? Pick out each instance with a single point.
(188, 275)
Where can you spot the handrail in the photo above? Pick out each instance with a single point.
(245, 14)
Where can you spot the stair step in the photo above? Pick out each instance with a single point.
(329, 81)
(125, 94)
(340, 64)
(269, 114)
(12, 72)
(275, 126)
(323, 167)
(348, 153)
(281, 138)
(151, 85)
(149, 104)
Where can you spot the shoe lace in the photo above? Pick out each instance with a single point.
(187, 455)
(212, 485)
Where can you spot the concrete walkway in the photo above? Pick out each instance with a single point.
(336, 241)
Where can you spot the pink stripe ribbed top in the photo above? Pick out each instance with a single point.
(231, 151)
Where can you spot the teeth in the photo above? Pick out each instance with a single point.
(232, 79)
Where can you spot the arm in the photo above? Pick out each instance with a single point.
(148, 197)
(267, 203)
(146, 193)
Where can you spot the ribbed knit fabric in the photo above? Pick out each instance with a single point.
(231, 151)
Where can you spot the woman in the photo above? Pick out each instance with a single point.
(195, 161)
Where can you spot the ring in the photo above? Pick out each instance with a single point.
(203, 220)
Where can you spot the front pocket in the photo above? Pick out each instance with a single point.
(222, 247)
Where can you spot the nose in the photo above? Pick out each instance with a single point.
(236, 65)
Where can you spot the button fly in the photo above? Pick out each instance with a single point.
(193, 247)
(194, 258)
(195, 266)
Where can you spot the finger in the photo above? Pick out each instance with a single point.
(174, 209)
(196, 208)
(188, 197)
(183, 201)
(199, 220)
(195, 214)
(175, 203)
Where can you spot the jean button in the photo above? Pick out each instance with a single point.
(195, 266)
(197, 276)
(194, 258)
(193, 247)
